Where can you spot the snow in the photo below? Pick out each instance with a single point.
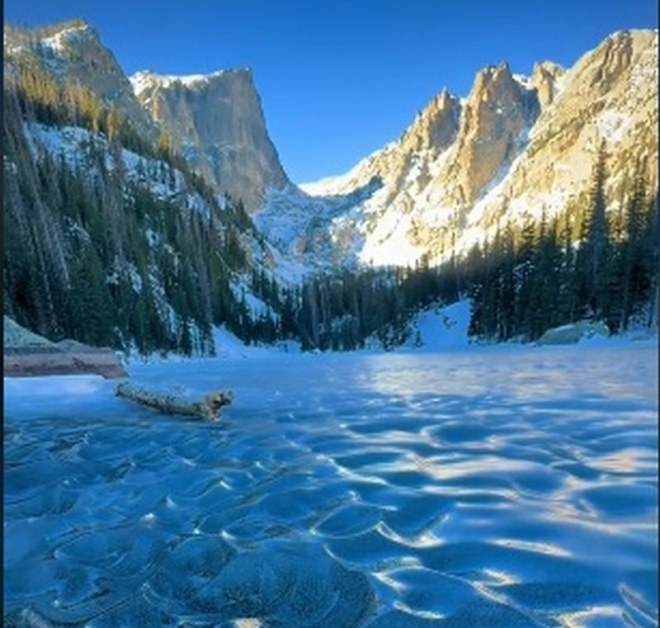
(135, 278)
(255, 305)
(379, 227)
(146, 79)
(410, 213)
(166, 312)
(441, 329)
(64, 141)
(612, 125)
(523, 80)
(16, 336)
(480, 486)
(70, 143)
(389, 244)
(228, 346)
(153, 238)
(332, 185)
(292, 220)
(66, 37)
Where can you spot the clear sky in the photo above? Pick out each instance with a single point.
(340, 78)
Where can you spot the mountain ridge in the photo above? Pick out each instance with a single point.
(523, 147)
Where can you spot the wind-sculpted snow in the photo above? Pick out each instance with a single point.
(487, 488)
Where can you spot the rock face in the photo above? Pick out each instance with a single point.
(545, 77)
(29, 355)
(515, 148)
(217, 123)
(498, 112)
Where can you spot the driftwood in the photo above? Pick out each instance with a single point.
(174, 403)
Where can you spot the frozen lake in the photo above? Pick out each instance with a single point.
(500, 487)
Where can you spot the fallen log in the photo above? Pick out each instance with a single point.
(175, 403)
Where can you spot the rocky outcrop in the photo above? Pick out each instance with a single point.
(610, 97)
(437, 125)
(217, 123)
(498, 111)
(545, 79)
(28, 355)
(433, 131)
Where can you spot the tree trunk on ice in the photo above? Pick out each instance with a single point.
(207, 408)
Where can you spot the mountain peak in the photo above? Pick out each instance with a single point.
(436, 126)
(491, 80)
(56, 38)
(67, 34)
(216, 121)
(633, 33)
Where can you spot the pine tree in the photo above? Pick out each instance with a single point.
(594, 241)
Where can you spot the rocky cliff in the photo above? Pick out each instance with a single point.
(217, 123)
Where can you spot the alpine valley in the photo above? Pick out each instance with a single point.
(142, 212)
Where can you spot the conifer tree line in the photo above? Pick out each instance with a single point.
(590, 265)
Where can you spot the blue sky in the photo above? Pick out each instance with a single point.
(340, 78)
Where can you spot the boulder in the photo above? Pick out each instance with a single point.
(573, 333)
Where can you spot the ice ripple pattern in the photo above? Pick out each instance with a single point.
(470, 489)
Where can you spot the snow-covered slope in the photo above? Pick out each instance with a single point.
(148, 80)
(442, 329)
(150, 214)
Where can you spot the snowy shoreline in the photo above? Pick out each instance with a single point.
(436, 330)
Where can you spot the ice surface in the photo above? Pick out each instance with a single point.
(499, 486)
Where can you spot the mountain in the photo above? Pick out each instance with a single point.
(516, 149)
(216, 122)
(108, 238)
